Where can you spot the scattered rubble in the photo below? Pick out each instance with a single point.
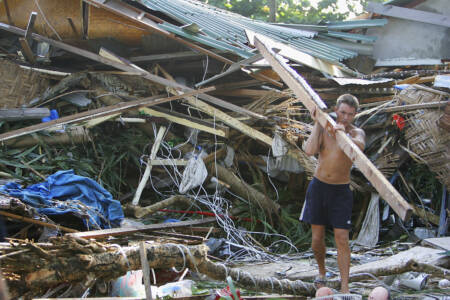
(137, 141)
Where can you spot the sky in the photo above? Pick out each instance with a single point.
(342, 5)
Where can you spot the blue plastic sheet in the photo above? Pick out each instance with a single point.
(64, 192)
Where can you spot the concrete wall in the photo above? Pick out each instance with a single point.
(403, 39)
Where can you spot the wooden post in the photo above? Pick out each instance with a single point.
(148, 168)
(145, 271)
(312, 101)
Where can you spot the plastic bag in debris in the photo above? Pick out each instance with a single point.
(280, 164)
(279, 146)
(220, 248)
(64, 193)
(368, 235)
(228, 160)
(129, 285)
(176, 289)
(194, 174)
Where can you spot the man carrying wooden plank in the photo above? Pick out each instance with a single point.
(329, 200)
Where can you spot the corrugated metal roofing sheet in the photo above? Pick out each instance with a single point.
(347, 25)
(224, 30)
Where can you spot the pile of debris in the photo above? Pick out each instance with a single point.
(118, 154)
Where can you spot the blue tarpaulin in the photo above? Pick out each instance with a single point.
(64, 192)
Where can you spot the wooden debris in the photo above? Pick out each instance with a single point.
(188, 121)
(74, 134)
(244, 190)
(140, 212)
(145, 270)
(123, 231)
(38, 222)
(73, 264)
(14, 114)
(418, 259)
(148, 167)
(95, 113)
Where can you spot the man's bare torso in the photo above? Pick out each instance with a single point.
(334, 165)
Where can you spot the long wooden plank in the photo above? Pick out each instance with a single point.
(123, 231)
(188, 121)
(95, 113)
(133, 69)
(308, 97)
(145, 270)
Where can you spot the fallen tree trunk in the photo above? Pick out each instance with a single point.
(72, 260)
(140, 212)
(243, 189)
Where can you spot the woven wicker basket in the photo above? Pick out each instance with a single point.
(18, 85)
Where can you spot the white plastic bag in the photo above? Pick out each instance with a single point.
(279, 146)
(194, 174)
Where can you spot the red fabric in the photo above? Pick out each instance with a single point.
(399, 121)
(227, 292)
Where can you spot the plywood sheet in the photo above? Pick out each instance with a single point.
(104, 24)
(56, 13)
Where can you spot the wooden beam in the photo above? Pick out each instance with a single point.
(145, 270)
(219, 115)
(26, 50)
(409, 14)
(168, 162)
(122, 231)
(188, 121)
(128, 68)
(301, 57)
(247, 93)
(308, 97)
(30, 26)
(148, 167)
(415, 106)
(95, 113)
(167, 56)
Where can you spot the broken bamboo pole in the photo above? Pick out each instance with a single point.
(313, 102)
(148, 167)
(72, 135)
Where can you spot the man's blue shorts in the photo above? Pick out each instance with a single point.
(328, 204)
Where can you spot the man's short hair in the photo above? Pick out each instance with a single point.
(348, 99)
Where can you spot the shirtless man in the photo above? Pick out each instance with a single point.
(329, 200)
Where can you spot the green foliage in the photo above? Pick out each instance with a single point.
(103, 160)
(292, 11)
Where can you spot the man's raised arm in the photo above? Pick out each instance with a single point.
(312, 144)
